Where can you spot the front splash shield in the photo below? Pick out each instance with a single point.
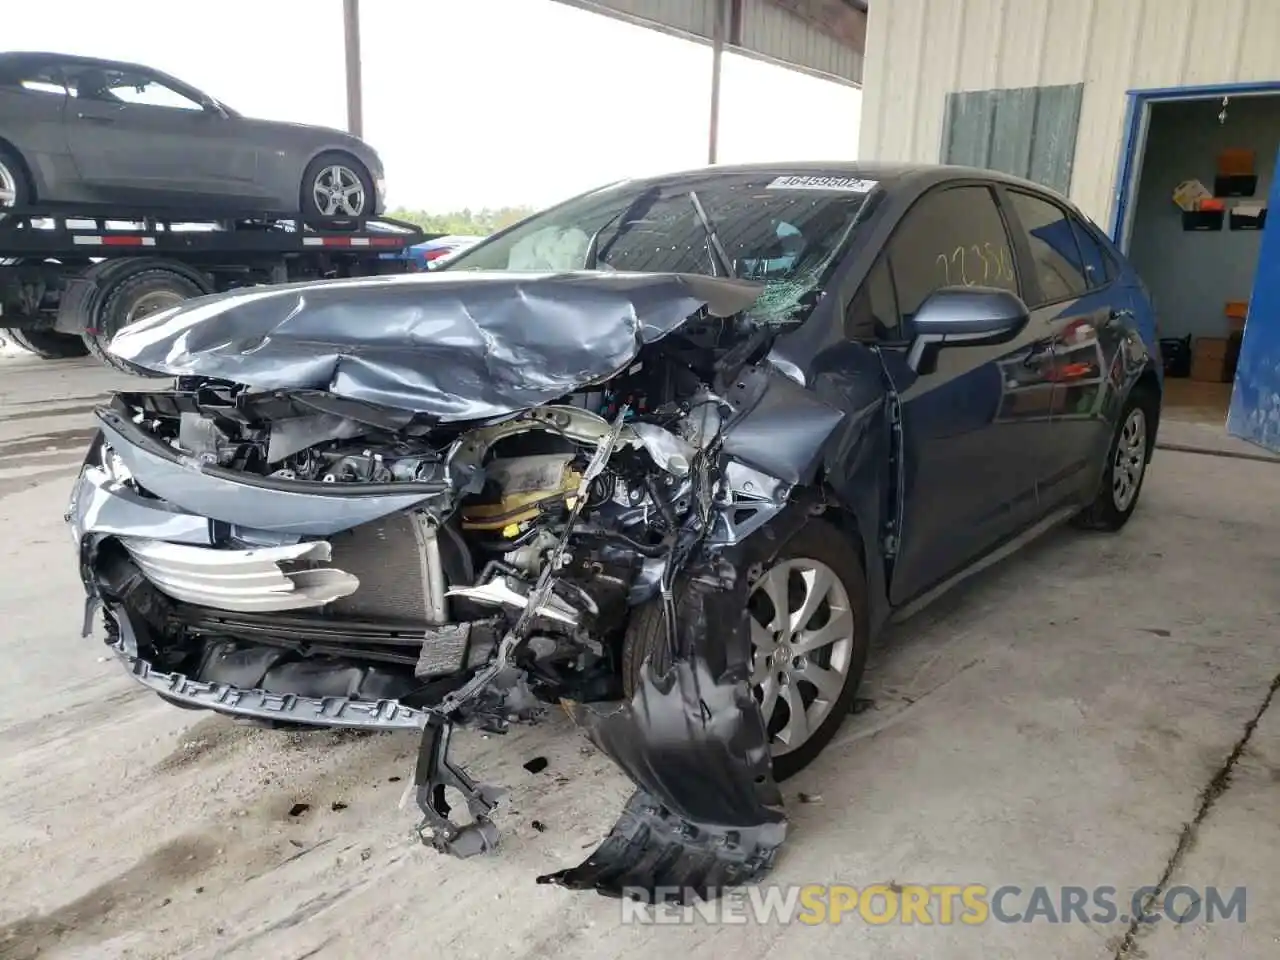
(707, 814)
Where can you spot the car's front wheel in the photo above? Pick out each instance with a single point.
(336, 187)
(809, 637)
(1126, 465)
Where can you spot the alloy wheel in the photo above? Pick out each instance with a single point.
(802, 632)
(1130, 459)
(8, 188)
(338, 192)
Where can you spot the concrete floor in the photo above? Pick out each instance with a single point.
(1092, 712)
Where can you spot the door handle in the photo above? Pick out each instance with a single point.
(93, 119)
(1123, 313)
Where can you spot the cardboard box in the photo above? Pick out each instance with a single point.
(1189, 193)
(1209, 360)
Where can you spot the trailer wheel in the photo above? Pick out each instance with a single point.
(134, 297)
(47, 344)
(337, 187)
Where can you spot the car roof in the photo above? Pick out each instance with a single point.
(20, 58)
(910, 178)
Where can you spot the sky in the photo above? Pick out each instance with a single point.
(471, 103)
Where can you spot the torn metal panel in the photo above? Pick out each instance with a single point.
(100, 504)
(456, 346)
(781, 428)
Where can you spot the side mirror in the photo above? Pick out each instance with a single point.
(966, 316)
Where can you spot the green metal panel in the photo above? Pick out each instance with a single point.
(1027, 131)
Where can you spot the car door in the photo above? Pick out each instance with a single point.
(136, 138)
(975, 419)
(1070, 295)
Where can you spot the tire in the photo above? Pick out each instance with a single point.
(14, 190)
(817, 548)
(337, 172)
(48, 344)
(1127, 458)
(136, 296)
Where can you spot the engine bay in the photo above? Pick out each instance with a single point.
(586, 498)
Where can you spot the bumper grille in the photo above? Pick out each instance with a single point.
(242, 580)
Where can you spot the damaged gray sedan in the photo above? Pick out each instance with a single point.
(666, 455)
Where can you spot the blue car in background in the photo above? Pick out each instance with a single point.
(429, 251)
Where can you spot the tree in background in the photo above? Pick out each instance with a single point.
(466, 222)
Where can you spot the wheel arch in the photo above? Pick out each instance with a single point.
(344, 151)
(847, 520)
(1148, 382)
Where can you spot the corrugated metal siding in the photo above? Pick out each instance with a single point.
(919, 51)
(1027, 131)
(697, 17)
(766, 30)
(783, 36)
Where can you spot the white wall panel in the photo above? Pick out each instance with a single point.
(918, 51)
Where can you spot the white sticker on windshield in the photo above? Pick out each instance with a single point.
(843, 184)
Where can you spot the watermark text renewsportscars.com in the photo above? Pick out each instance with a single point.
(941, 904)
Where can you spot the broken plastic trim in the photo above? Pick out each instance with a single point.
(707, 814)
(432, 775)
(260, 704)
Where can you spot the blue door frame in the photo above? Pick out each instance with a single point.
(1254, 413)
(1135, 113)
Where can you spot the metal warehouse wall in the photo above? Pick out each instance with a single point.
(765, 29)
(918, 51)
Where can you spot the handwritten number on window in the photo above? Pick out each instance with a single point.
(960, 269)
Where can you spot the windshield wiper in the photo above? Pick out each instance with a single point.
(713, 239)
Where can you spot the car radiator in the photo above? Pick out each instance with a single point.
(399, 561)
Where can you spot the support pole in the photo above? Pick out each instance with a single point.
(355, 92)
(717, 55)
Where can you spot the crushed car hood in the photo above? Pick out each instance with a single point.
(456, 346)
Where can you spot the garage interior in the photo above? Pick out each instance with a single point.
(1200, 263)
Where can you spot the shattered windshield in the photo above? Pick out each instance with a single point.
(785, 231)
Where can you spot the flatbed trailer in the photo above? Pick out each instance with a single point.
(69, 281)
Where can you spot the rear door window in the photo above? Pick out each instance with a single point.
(1055, 253)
